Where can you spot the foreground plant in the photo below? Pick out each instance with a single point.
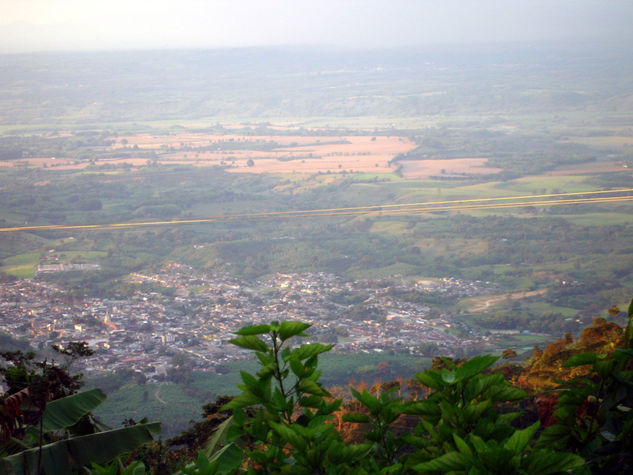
(466, 425)
(281, 418)
(594, 413)
(64, 450)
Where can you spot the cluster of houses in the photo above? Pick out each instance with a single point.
(183, 311)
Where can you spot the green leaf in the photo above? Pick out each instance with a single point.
(621, 353)
(604, 368)
(279, 400)
(445, 463)
(474, 366)
(356, 417)
(101, 447)
(289, 435)
(309, 350)
(252, 385)
(219, 436)
(135, 468)
(462, 446)
(581, 359)
(477, 386)
(478, 443)
(229, 459)
(547, 461)
(448, 376)
(369, 401)
(66, 411)
(474, 411)
(508, 417)
(311, 401)
(297, 367)
(289, 329)
(521, 438)
(428, 427)
(243, 400)
(310, 387)
(552, 435)
(253, 330)
(355, 451)
(265, 359)
(506, 393)
(250, 342)
(423, 408)
(432, 379)
(628, 333)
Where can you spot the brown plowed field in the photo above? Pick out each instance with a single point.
(273, 154)
(270, 154)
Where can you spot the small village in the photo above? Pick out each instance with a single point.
(182, 311)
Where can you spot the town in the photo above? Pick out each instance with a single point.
(179, 310)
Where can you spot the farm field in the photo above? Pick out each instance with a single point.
(447, 168)
(245, 153)
(588, 168)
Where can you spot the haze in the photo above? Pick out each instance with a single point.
(46, 25)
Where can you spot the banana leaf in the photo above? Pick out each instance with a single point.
(65, 455)
(65, 412)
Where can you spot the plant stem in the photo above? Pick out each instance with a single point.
(39, 452)
(278, 376)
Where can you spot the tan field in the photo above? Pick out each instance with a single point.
(273, 154)
(69, 163)
(270, 154)
(292, 153)
(417, 169)
(484, 303)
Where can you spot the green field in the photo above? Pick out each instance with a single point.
(151, 401)
(20, 265)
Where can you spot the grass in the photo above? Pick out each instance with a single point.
(597, 219)
(140, 401)
(523, 341)
(223, 384)
(373, 176)
(529, 184)
(21, 265)
(396, 228)
(607, 142)
(399, 268)
(457, 246)
(83, 256)
(546, 308)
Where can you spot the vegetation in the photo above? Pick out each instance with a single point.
(552, 122)
(472, 420)
(46, 426)
(460, 416)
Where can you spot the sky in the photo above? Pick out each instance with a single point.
(45, 25)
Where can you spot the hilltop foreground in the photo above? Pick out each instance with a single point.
(567, 409)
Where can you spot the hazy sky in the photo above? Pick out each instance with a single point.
(34, 25)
